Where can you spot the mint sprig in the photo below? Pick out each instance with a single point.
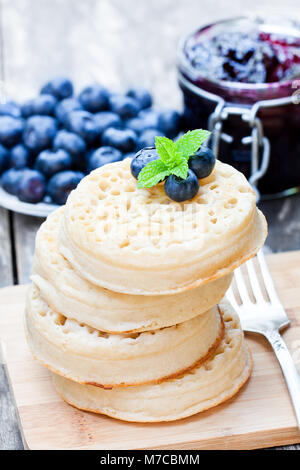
(190, 142)
(152, 174)
(173, 158)
(168, 152)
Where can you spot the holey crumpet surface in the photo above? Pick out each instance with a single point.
(65, 291)
(205, 386)
(138, 241)
(83, 354)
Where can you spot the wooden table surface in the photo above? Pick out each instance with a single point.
(119, 43)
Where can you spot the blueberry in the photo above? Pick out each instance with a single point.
(107, 119)
(124, 106)
(141, 95)
(102, 156)
(47, 199)
(202, 162)
(19, 156)
(87, 157)
(27, 108)
(182, 190)
(45, 105)
(10, 109)
(150, 118)
(4, 159)
(147, 138)
(10, 130)
(141, 159)
(31, 186)
(71, 143)
(61, 184)
(169, 122)
(94, 98)
(123, 140)
(64, 107)
(139, 125)
(42, 105)
(39, 132)
(49, 162)
(60, 87)
(84, 124)
(10, 180)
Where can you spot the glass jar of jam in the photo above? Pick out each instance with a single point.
(241, 79)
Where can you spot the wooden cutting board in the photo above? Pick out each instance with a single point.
(261, 415)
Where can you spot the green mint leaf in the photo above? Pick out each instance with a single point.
(190, 142)
(168, 152)
(152, 174)
(173, 158)
(181, 170)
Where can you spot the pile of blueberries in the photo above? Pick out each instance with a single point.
(48, 144)
(201, 164)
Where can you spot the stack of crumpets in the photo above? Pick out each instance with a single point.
(126, 305)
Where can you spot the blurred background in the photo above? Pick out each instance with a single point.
(117, 42)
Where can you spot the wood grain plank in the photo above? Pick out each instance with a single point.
(260, 415)
(25, 228)
(10, 438)
(6, 269)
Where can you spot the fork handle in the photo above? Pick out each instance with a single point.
(288, 368)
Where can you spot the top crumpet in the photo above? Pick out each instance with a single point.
(140, 242)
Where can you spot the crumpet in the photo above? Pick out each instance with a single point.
(208, 385)
(71, 295)
(138, 241)
(86, 355)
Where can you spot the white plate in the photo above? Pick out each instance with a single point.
(12, 203)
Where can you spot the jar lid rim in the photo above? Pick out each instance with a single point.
(189, 71)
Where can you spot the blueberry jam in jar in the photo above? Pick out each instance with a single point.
(241, 78)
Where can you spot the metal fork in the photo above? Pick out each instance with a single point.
(267, 318)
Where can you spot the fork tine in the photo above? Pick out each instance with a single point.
(240, 283)
(267, 278)
(231, 297)
(256, 289)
